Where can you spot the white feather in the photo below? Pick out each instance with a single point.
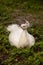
(19, 37)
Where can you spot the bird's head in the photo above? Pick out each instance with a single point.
(25, 25)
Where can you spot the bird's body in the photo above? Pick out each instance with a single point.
(20, 38)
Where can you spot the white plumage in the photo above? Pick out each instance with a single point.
(20, 38)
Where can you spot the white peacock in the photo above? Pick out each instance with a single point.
(19, 37)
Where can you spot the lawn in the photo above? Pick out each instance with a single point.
(10, 12)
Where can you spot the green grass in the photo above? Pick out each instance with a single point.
(27, 56)
(8, 6)
(11, 55)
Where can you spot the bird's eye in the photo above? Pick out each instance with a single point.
(23, 26)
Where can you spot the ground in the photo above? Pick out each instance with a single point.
(16, 12)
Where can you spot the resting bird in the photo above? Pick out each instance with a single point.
(19, 37)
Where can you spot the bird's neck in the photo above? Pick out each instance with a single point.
(25, 30)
